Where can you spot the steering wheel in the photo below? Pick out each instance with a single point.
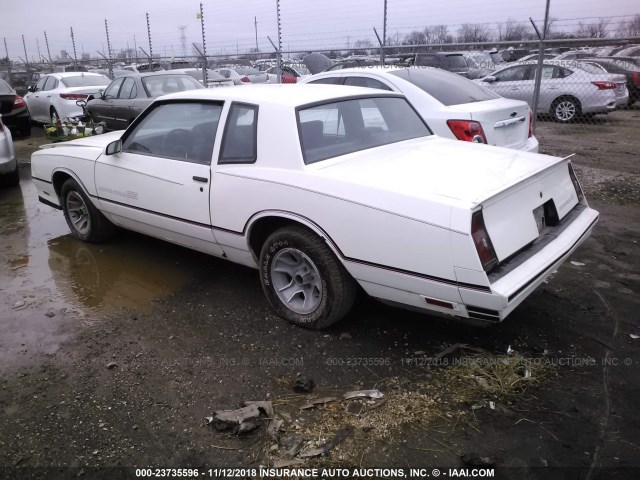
(177, 143)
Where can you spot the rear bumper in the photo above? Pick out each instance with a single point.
(531, 146)
(512, 288)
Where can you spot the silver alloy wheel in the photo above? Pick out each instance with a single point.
(565, 110)
(296, 280)
(78, 213)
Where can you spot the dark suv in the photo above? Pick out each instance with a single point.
(452, 62)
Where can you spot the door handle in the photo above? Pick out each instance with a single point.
(201, 179)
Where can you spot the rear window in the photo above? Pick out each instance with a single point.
(158, 85)
(456, 61)
(85, 81)
(5, 88)
(448, 88)
(338, 128)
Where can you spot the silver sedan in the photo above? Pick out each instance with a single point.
(568, 89)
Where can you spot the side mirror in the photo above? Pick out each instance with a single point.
(490, 79)
(114, 147)
(32, 88)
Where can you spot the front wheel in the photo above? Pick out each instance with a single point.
(85, 221)
(303, 280)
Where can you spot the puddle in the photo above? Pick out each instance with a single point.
(52, 284)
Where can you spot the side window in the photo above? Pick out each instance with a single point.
(326, 81)
(52, 83)
(112, 90)
(513, 74)
(127, 87)
(179, 131)
(240, 135)
(365, 82)
(40, 84)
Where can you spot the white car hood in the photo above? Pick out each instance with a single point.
(424, 168)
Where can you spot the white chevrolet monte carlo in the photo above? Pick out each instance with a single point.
(323, 189)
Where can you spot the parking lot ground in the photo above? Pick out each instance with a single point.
(114, 354)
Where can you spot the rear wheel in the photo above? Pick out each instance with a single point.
(303, 280)
(566, 109)
(85, 221)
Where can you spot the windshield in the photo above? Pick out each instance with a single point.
(446, 87)
(85, 81)
(348, 126)
(457, 61)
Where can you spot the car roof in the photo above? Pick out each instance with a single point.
(75, 74)
(281, 94)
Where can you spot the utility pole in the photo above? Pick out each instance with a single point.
(255, 23)
(106, 29)
(150, 48)
(6, 50)
(38, 45)
(538, 78)
(26, 61)
(73, 41)
(205, 80)
(279, 49)
(47, 42)
(384, 34)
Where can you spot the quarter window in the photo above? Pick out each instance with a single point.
(240, 135)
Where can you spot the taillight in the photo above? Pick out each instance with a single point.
(530, 124)
(245, 80)
(636, 79)
(289, 79)
(18, 102)
(482, 241)
(73, 96)
(467, 131)
(576, 184)
(605, 85)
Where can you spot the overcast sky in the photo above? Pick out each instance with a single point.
(229, 24)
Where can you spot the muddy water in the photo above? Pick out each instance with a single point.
(52, 284)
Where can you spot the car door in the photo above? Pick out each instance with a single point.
(122, 106)
(102, 109)
(34, 102)
(159, 182)
(551, 85)
(514, 82)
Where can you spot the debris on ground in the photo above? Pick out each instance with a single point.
(345, 336)
(284, 463)
(292, 445)
(577, 264)
(475, 460)
(318, 401)
(112, 365)
(241, 420)
(363, 394)
(455, 347)
(330, 445)
(303, 384)
(634, 337)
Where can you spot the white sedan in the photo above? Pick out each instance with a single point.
(323, 189)
(55, 95)
(453, 106)
(9, 176)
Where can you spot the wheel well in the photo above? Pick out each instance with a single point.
(58, 180)
(567, 97)
(263, 227)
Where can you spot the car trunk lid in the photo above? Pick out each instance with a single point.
(505, 122)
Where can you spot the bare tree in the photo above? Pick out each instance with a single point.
(415, 38)
(473, 33)
(599, 29)
(362, 44)
(632, 27)
(440, 34)
(514, 30)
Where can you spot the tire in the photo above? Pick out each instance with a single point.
(11, 179)
(321, 299)
(566, 109)
(85, 221)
